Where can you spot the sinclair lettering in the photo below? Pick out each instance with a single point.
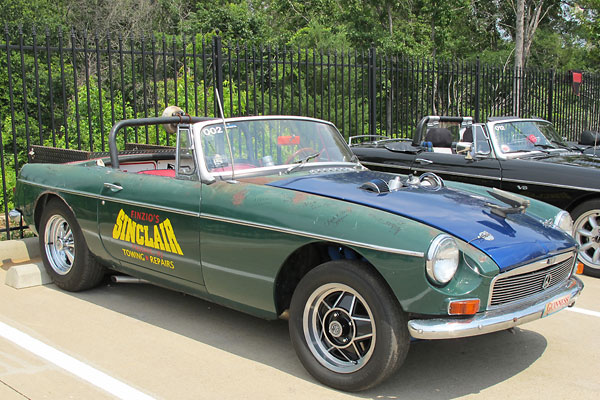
(159, 237)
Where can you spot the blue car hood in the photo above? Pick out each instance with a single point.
(518, 239)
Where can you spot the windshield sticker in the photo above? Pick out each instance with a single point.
(288, 140)
(532, 138)
(159, 236)
(213, 130)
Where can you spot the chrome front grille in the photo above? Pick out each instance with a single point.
(531, 279)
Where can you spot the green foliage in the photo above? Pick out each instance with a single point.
(233, 21)
(89, 122)
(462, 29)
(43, 13)
(9, 169)
(320, 37)
(583, 18)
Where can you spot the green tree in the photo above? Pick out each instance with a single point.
(41, 13)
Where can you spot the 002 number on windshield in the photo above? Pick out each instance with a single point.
(212, 131)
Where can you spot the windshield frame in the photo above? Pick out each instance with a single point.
(555, 140)
(207, 175)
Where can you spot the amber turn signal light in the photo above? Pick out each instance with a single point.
(463, 307)
(579, 268)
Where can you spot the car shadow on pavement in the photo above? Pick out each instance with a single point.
(446, 369)
(442, 369)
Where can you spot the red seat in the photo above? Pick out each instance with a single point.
(160, 172)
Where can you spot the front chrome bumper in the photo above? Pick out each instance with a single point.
(494, 320)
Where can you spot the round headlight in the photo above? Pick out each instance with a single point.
(564, 221)
(442, 259)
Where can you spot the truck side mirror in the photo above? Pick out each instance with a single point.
(481, 144)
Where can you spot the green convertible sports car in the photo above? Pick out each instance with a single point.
(274, 216)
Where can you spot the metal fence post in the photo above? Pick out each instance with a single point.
(218, 71)
(477, 81)
(4, 188)
(550, 95)
(372, 91)
(11, 98)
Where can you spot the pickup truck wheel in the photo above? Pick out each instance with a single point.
(347, 327)
(587, 233)
(64, 252)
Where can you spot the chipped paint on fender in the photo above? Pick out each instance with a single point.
(239, 197)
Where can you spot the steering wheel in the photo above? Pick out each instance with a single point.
(306, 150)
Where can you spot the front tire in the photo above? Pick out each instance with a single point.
(347, 327)
(64, 251)
(587, 233)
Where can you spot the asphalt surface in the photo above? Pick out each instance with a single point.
(142, 341)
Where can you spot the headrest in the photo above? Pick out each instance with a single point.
(589, 138)
(468, 135)
(439, 137)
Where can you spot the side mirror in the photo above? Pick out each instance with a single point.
(464, 147)
(481, 145)
(172, 111)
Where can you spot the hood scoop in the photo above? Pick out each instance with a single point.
(427, 180)
(376, 186)
(516, 204)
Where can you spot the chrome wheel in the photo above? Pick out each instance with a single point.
(587, 234)
(339, 328)
(59, 244)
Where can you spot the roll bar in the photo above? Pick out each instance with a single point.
(112, 142)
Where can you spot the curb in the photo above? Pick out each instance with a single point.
(27, 275)
(19, 251)
(21, 272)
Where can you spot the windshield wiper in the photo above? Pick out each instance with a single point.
(544, 147)
(519, 151)
(541, 146)
(561, 144)
(302, 161)
(564, 146)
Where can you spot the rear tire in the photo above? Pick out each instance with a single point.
(347, 327)
(586, 217)
(64, 251)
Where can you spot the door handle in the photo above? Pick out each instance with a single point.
(113, 187)
(423, 161)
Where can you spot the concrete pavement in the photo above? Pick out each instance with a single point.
(170, 346)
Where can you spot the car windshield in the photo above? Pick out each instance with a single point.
(525, 136)
(258, 143)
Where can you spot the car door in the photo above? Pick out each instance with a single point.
(480, 169)
(151, 223)
(393, 157)
(555, 184)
